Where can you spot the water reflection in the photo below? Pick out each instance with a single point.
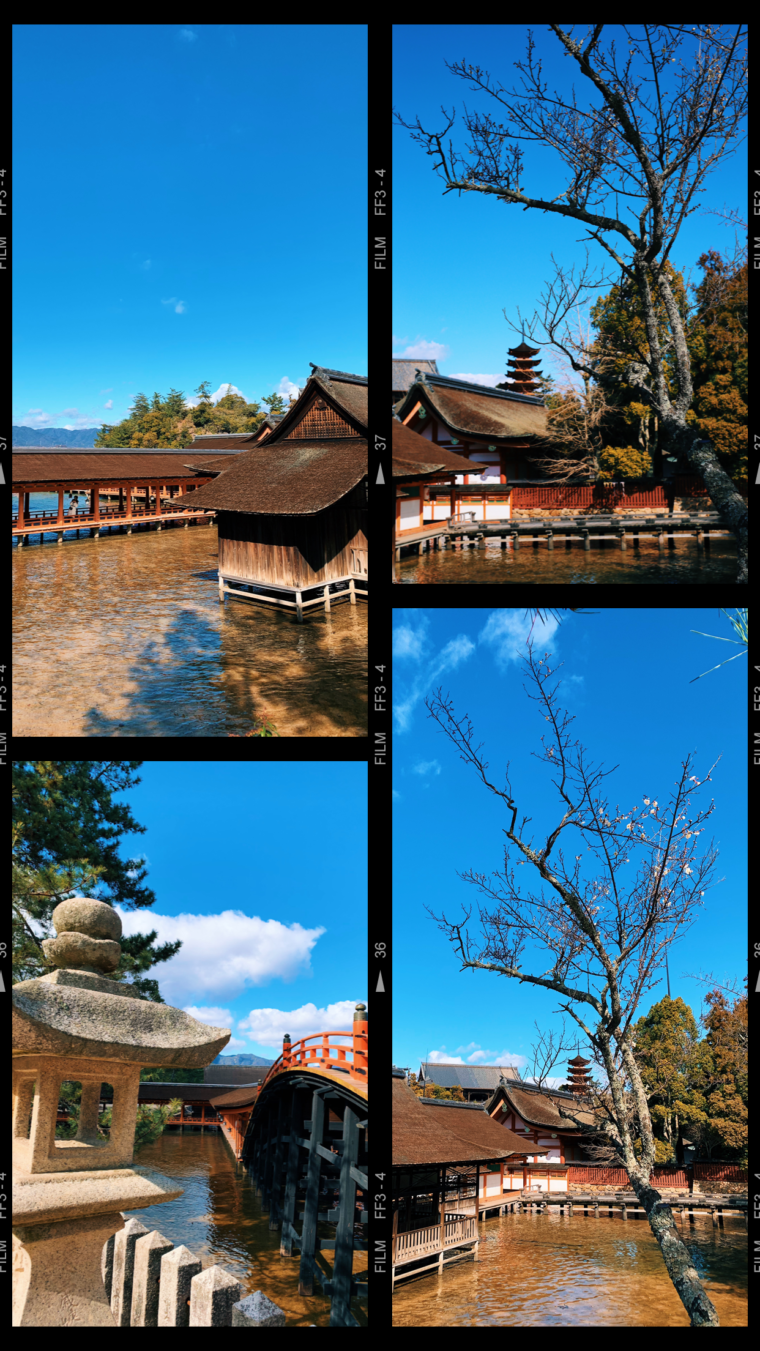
(125, 636)
(602, 563)
(553, 1271)
(219, 1219)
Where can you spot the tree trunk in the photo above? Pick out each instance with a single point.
(727, 500)
(676, 1257)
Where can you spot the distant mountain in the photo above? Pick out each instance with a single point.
(55, 436)
(240, 1060)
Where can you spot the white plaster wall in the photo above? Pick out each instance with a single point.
(411, 515)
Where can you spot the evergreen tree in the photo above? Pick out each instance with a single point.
(66, 829)
(665, 1043)
(275, 403)
(718, 352)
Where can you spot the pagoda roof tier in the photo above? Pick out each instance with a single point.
(523, 350)
(472, 411)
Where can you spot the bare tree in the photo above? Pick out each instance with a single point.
(546, 1052)
(652, 150)
(604, 939)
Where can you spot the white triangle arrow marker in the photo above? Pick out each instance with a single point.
(379, 478)
(380, 985)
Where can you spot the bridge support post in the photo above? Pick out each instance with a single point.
(275, 1214)
(291, 1174)
(311, 1206)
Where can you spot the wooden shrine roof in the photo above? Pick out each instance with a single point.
(468, 1076)
(405, 371)
(73, 467)
(424, 1135)
(285, 477)
(414, 455)
(236, 1097)
(539, 1109)
(474, 410)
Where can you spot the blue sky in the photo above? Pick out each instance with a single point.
(271, 913)
(189, 205)
(458, 262)
(626, 680)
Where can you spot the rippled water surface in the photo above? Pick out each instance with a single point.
(553, 1271)
(219, 1219)
(126, 636)
(602, 563)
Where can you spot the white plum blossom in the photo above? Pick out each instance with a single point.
(687, 870)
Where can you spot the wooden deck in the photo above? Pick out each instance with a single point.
(702, 526)
(459, 1233)
(49, 523)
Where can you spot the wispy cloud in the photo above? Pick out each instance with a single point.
(396, 796)
(410, 638)
(506, 633)
(491, 380)
(421, 347)
(454, 652)
(108, 404)
(187, 35)
(179, 305)
(427, 767)
(146, 265)
(107, 391)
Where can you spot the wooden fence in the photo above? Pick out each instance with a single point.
(664, 1175)
(150, 1283)
(719, 1172)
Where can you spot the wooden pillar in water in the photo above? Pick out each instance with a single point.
(311, 1204)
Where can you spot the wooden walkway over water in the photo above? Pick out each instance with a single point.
(111, 520)
(624, 530)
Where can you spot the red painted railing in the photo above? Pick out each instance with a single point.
(324, 1054)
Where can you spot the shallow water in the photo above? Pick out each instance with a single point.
(603, 562)
(553, 1271)
(126, 636)
(219, 1219)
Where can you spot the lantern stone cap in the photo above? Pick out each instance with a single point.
(44, 1197)
(77, 1011)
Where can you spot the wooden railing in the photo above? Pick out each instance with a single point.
(419, 1242)
(325, 1055)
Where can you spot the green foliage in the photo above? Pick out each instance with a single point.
(431, 1090)
(167, 422)
(261, 729)
(621, 462)
(66, 829)
(171, 1074)
(740, 626)
(696, 1086)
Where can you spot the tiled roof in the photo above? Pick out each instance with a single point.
(190, 1092)
(475, 410)
(468, 1076)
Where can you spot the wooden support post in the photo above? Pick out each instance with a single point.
(596, 1210)
(326, 594)
(299, 607)
(515, 539)
(586, 541)
(275, 1214)
(352, 592)
(311, 1205)
(623, 544)
(297, 1105)
(550, 539)
(714, 1217)
(625, 1211)
(661, 540)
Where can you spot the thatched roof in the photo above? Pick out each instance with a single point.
(110, 467)
(236, 1097)
(540, 1108)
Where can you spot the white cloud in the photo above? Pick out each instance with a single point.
(213, 1017)
(410, 638)
(267, 1027)
(179, 305)
(439, 1057)
(287, 389)
(146, 265)
(506, 631)
(187, 35)
(454, 652)
(491, 380)
(226, 952)
(427, 767)
(109, 404)
(430, 351)
(396, 796)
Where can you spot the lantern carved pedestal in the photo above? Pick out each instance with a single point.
(76, 1025)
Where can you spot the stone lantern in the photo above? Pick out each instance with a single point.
(74, 1024)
